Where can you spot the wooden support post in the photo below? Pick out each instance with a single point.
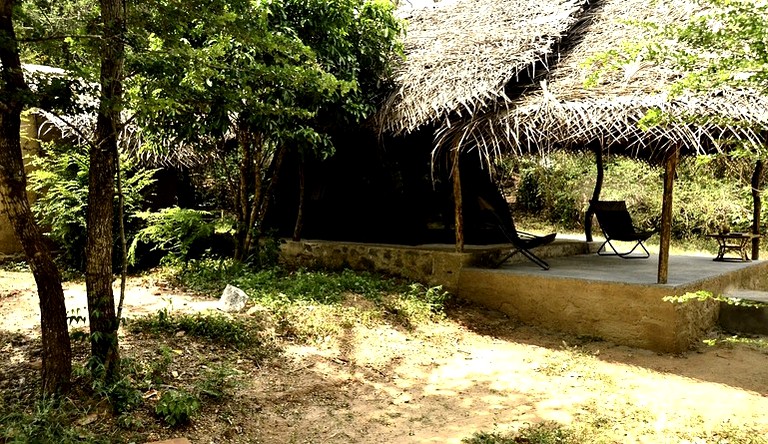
(458, 201)
(670, 165)
(757, 182)
(596, 193)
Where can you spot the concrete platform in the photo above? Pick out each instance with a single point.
(599, 296)
(612, 298)
(750, 317)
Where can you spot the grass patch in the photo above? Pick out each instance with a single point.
(313, 306)
(243, 333)
(759, 343)
(541, 433)
(49, 420)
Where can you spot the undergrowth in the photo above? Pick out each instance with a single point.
(245, 334)
(312, 306)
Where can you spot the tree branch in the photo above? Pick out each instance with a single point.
(59, 37)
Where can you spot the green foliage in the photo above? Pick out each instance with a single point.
(176, 407)
(710, 191)
(267, 67)
(174, 231)
(720, 45)
(420, 304)
(240, 333)
(50, 421)
(702, 295)
(554, 187)
(42, 21)
(60, 179)
(14, 266)
(541, 433)
(122, 395)
(725, 45)
(217, 382)
(310, 305)
(212, 275)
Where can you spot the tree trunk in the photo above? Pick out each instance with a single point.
(596, 193)
(258, 148)
(757, 180)
(57, 352)
(101, 191)
(244, 191)
(300, 213)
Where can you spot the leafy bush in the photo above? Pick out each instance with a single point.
(541, 433)
(176, 407)
(555, 188)
(710, 191)
(242, 333)
(60, 180)
(176, 232)
(50, 421)
(216, 382)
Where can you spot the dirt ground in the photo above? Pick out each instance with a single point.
(477, 370)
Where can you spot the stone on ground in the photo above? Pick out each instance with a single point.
(232, 299)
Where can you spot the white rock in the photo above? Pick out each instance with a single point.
(232, 299)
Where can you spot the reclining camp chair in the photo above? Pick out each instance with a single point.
(616, 224)
(523, 243)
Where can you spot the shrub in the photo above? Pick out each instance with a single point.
(542, 433)
(179, 233)
(244, 334)
(176, 407)
(710, 191)
(60, 180)
(50, 421)
(554, 187)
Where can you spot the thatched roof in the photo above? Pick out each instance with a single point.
(79, 126)
(460, 56)
(566, 112)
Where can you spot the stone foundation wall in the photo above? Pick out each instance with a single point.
(628, 314)
(429, 266)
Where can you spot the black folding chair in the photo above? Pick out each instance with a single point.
(523, 243)
(616, 224)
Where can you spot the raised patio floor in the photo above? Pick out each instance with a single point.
(612, 298)
(585, 294)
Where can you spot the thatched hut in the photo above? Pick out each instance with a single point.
(383, 184)
(582, 101)
(582, 104)
(577, 102)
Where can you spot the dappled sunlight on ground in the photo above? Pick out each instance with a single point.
(441, 382)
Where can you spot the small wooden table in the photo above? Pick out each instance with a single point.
(734, 243)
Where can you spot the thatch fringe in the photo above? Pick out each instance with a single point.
(567, 112)
(461, 56)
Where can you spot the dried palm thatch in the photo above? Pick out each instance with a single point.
(568, 112)
(460, 57)
(79, 125)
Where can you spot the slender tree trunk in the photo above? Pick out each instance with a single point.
(596, 193)
(274, 173)
(757, 181)
(258, 185)
(245, 181)
(300, 213)
(57, 352)
(101, 192)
